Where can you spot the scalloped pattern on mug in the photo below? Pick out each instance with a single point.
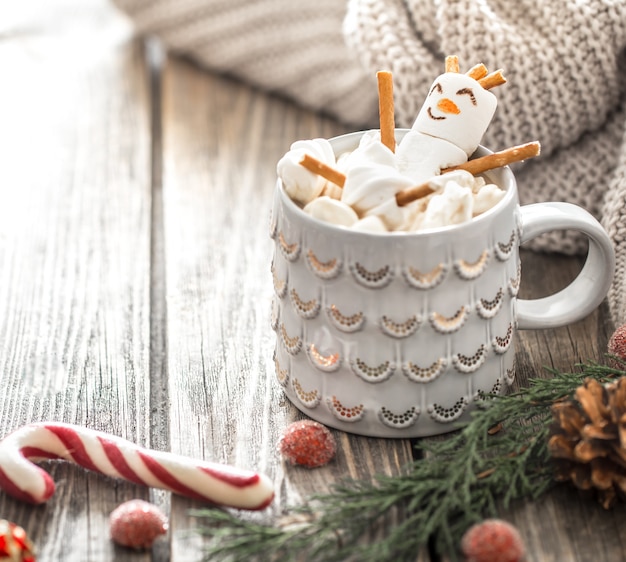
(290, 251)
(323, 269)
(504, 250)
(470, 363)
(376, 374)
(489, 308)
(274, 314)
(449, 325)
(305, 309)
(509, 376)
(501, 344)
(446, 415)
(399, 421)
(371, 279)
(400, 329)
(345, 323)
(345, 413)
(273, 226)
(428, 280)
(424, 374)
(327, 363)
(309, 398)
(280, 285)
(514, 283)
(293, 344)
(282, 375)
(495, 389)
(471, 270)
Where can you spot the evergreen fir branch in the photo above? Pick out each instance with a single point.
(482, 467)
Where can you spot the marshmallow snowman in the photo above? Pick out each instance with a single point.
(450, 125)
(447, 131)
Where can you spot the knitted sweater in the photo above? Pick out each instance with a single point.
(564, 61)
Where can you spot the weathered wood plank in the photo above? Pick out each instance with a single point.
(74, 254)
(221, 144)
(563, 525)
(560, 348)
(94, 294)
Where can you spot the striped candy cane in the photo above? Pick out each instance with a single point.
(211, 482)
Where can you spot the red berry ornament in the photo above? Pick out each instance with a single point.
(493, 540)
(137, 524)
(307, 443)
(617, 343)
(14, 544)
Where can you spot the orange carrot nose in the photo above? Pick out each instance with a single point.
(446, 105)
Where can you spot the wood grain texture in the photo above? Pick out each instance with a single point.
(561, 348)
(74, 256)
(563, 525)
(135, 287)
(221, 143)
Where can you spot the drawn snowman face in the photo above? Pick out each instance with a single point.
(458, 109)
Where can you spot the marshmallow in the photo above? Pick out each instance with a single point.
(487, 197)
(446, 132)
(392, 216)
(461, 177)
(370, 149)
(301, 185)
(332, 190)
(452, 206)
(420, 156)
(330, 210)
(372, 178)
(458, 109)
(370, 224)
(459, 196)
(368, 186)
(372, 181)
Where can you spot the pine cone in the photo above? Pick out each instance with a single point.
(588, 439)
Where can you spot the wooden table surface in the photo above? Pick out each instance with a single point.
(135, 288)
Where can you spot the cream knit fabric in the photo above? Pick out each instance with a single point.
(564, 61)
(294, 48)
(566, 88)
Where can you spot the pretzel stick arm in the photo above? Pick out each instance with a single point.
(474, 167)
(386, 109)
(498, 159)
(411, 194)
(317, 167)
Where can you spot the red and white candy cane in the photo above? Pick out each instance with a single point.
(98, 451)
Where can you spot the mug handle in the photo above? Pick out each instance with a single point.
(588, 290)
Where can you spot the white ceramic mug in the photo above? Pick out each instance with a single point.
(399, 334)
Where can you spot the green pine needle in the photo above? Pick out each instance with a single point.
(417, 509)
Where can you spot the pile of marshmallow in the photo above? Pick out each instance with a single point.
(446, 132)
